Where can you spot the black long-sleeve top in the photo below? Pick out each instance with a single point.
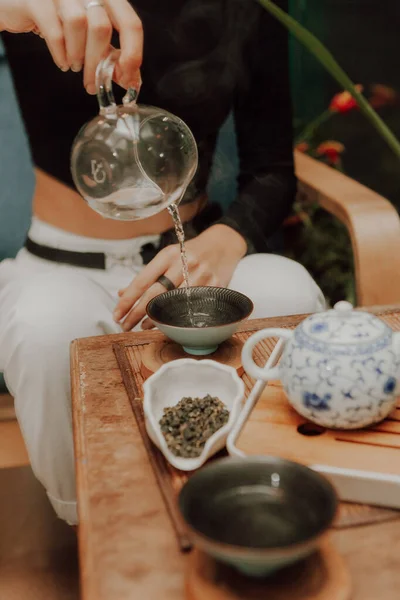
(202, 60)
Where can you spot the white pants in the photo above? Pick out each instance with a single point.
(45, 305)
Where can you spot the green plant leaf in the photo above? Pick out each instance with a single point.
(323, 55)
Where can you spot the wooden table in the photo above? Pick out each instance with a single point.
(127, 545)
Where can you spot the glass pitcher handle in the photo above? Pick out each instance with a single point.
(105, 96)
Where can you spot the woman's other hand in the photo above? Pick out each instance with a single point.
(78, 33)
(212, 259)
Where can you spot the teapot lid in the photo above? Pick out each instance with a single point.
(344, 331)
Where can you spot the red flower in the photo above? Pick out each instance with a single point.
(383, 95)
(331, 150)
(295, 219)
(344, 102)
(302, 146)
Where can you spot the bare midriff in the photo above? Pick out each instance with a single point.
(60, 206)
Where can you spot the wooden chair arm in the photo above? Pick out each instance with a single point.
(373, 224)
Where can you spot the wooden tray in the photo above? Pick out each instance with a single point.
(130, 359)
(322, 576)
(136, 362)
(155, 355)
(363, 464)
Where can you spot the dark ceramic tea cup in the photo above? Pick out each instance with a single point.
(216, 313)
(257, 514)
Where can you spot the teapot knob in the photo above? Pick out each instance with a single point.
(343, 306)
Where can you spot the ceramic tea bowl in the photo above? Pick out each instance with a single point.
(257, 514)
(184, 378)
(217, 313)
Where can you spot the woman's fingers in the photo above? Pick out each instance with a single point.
(129, 26)
(158, 266)
(174, 273)
(147, 324)
(73, 16)
(134, 298)
(198, 277)
(98, 39)
(44, 15)
(139, 310)
(78, 32)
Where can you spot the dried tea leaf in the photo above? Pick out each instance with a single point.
(190, 423)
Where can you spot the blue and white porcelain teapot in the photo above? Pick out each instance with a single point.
(339, 369)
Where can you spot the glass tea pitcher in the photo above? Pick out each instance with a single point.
(131, 161)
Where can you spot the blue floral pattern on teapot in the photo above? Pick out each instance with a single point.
(339, 369)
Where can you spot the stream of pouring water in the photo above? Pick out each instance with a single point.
(180, 234)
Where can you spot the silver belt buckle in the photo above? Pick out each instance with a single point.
(128, 262)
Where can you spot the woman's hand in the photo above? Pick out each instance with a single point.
(212, 258)
(78, 33)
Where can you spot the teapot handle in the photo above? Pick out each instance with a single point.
(247, 354)
(104, 76)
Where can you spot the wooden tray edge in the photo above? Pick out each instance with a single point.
(155, 457)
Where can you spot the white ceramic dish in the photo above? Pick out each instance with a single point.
(195, 378)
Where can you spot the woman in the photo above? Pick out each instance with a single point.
(201, 59)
